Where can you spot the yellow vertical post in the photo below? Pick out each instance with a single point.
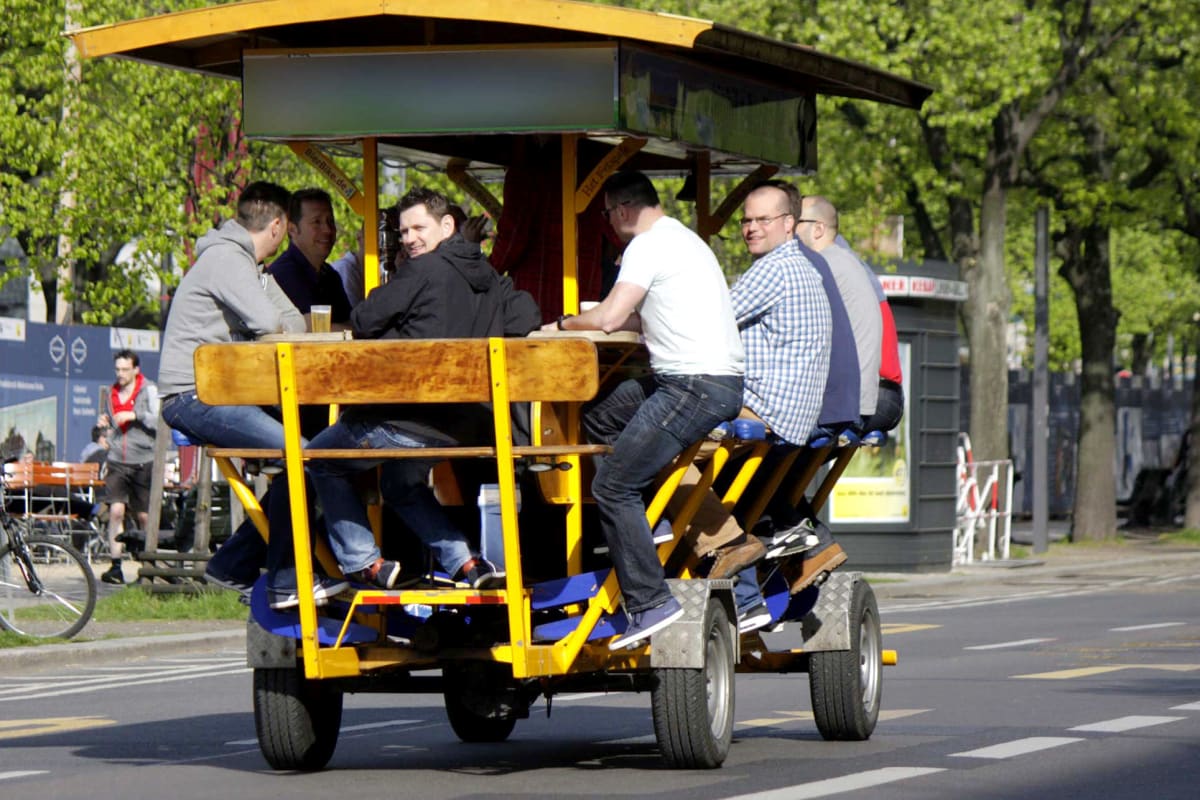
(370, 148)
(518, 607)
(299, 505)
(570, 293)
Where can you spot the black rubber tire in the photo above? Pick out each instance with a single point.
(465, 696)
(68, 590)
(693, 708)
(846, 685)
(297, 720)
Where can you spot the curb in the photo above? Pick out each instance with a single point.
(119, 649)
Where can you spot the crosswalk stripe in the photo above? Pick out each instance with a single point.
(1122, 724)
(846, 783)
(1019, 747)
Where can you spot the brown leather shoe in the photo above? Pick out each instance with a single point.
(814, 564)
(733, 558)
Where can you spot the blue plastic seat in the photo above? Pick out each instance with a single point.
(181, 439)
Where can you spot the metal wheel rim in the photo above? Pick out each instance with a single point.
(869, 660)
(716, 684)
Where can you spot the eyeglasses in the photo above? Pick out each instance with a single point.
(761, 222)
(607, 212)
(813, 221)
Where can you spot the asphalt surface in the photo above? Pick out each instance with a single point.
(1137, 556)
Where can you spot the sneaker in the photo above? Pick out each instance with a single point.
(113, 575)
(733, 558)
(227, 581)
(323, 589)
(643, 624)
(796, 539)
(753, 618)
(480, 574)
(382, 574)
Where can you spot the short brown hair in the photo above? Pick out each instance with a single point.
(260, 203)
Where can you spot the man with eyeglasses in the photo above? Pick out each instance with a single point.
(672, 290)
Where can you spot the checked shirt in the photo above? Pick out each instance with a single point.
(783, 315)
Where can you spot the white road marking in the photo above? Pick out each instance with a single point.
(1187, 707)
(999, 645)
(4, 776)
(846, 783)
(1121, 724)
(176, 675)
(366, 726)
(566, 698)
(1149, 627)
(1018, 747)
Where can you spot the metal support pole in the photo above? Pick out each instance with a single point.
(1040, 410)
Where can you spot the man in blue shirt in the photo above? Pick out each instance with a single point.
(301, 271)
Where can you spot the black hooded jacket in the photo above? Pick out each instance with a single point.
(450, 293)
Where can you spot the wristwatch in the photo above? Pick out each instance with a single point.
(560, 320)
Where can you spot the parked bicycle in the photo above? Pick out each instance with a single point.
(47, 589)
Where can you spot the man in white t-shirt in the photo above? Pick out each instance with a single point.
(671, 289)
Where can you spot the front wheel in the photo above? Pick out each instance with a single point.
(846, 685)
(47, 589)
(693, 708)
(481, 701)
(297, 719)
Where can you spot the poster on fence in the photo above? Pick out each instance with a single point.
(875, 487)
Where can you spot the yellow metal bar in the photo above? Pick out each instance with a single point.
(815, 459)
(678, 525)
(456, 171)
(244, 495)
(574, 496)
(570, 225)
(612, 161)
(835, 472)
(299, 507)
(658, 505)
(745, 474)
(519, 627)
(768, 490)
(342, 184)
(370, 215)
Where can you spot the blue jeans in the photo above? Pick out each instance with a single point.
(244, 553)
(403, 484)
(648, 421)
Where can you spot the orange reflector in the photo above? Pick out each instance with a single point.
(890, 658)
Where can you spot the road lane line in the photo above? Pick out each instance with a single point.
(1089, 672)
(1122, 724)
(999, 645)
(125, 684)
(1042, 594)
(366, 726)
(846, 783)
(795, 716)
(24, 728)
(1149, 627)
(1018, 747)
(4, 776)
(1187, 707)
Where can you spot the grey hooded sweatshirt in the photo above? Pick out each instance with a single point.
(224, 297)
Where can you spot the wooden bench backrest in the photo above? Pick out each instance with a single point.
(396, 371)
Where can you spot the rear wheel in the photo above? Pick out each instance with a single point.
(480, 701)
(846, 685)
(47, 591)
(693, 708)
(297, 719)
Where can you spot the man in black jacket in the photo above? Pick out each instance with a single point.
(446, 289)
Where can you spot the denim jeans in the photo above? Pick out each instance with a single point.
(403, 484)
(648, 421)
(244, 553)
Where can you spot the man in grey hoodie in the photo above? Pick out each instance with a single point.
(226, 297)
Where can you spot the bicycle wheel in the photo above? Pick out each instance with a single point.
(49, 595)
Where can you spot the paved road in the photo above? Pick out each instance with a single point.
(1074, 682)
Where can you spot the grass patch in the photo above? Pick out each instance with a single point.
(1185, 536)
(1018, 552)
(133, 604)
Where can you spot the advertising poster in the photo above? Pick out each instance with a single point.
(875, 487)
(52, 381)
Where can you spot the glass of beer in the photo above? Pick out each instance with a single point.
(320, 317)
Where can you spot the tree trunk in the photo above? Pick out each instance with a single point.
(1086, 268)
(987, 311)
(1191, 517)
